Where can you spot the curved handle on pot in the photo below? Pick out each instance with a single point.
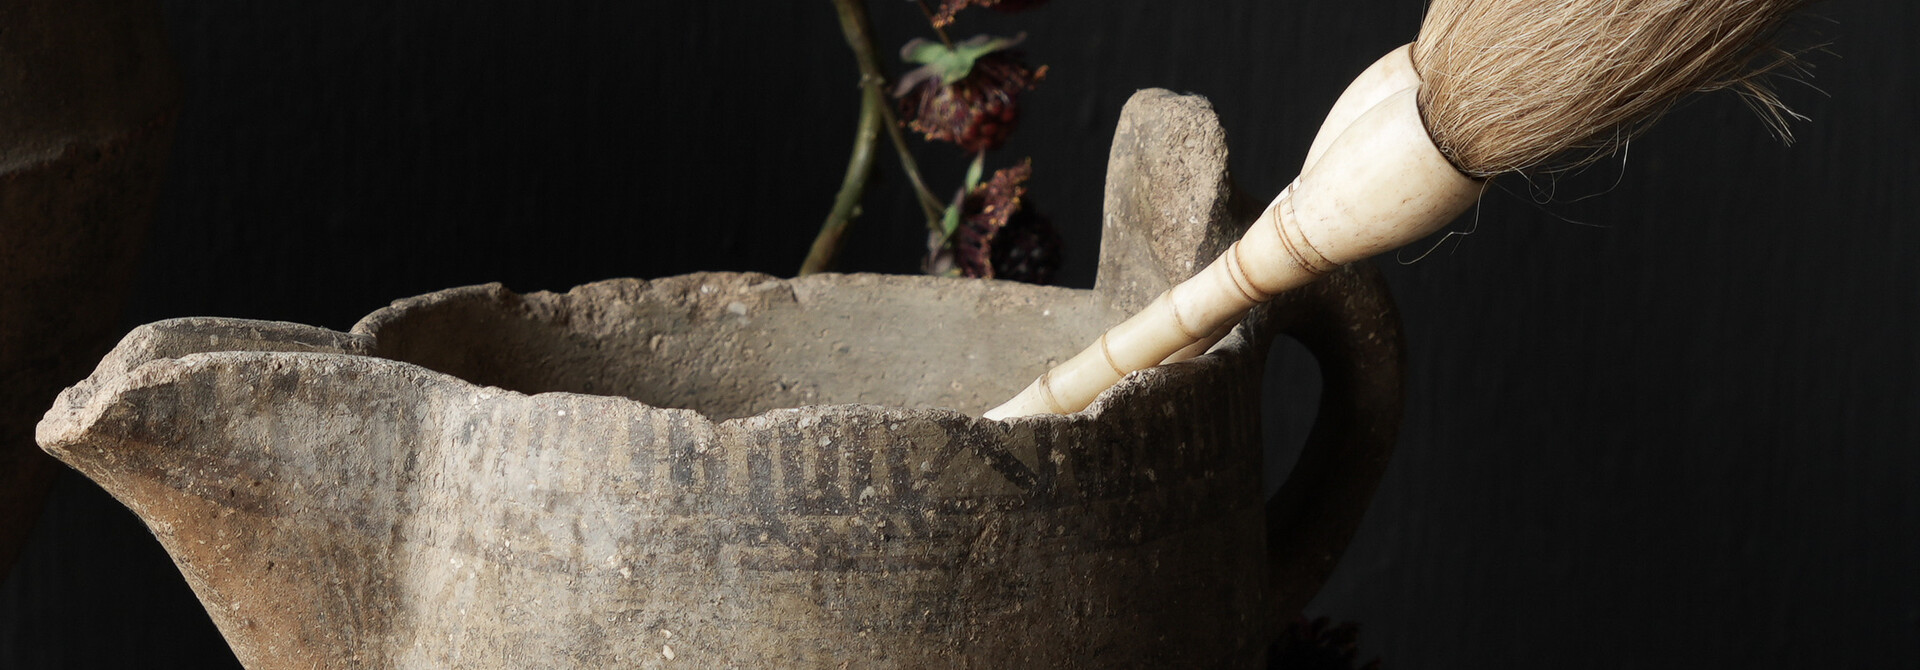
(1348, 321)
(1171, 207)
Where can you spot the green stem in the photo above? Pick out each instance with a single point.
(826, 245)
(859, 32)
(930, 206)
(928, 12)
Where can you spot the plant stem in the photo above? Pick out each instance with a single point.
(930, 206)
(826, 245)
(937, 30)
(875, 113)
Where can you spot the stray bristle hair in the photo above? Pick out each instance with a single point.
(1509, 85)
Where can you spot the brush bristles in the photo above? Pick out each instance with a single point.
(1508, 85)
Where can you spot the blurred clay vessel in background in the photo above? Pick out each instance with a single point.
(88, 98)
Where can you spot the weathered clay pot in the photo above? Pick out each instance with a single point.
(87, 100)
(735, 470)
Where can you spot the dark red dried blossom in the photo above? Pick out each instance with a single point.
(975, 109)
(948, 8)
(1001, 237)
(1318, 644)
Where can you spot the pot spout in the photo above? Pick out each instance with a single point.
(96, 424)
(259, 454)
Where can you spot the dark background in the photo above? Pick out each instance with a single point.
(1672, 425)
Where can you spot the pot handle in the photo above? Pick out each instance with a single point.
(1347, 320)
(1171, 208)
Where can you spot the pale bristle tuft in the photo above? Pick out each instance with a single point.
(1509, 85)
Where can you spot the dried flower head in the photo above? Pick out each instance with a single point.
(1001, 237)
(1318, 645)
(967, 95)
(948, 8)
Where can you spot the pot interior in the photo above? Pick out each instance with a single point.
(731, 345)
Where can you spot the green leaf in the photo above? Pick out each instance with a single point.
(924, 52)
(956, 63)
(974, 171)
(951, 221)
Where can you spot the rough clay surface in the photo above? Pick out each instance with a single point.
(87, 97)
(1166, 180)
(713, 470)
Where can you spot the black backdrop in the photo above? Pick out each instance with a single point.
(1671, 425)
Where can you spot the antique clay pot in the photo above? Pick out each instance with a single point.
(737, 470)
(88, 95)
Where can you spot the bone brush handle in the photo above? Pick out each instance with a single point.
(1379, 184)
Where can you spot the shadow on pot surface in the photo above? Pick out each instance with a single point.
(738, 470)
